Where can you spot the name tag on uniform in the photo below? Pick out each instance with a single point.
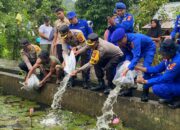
(171, 66)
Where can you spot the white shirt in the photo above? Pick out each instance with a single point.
(46, 30)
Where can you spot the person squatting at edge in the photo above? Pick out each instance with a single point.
(166, 85)
(135, 47)
(29, 54)
(105, 57)
(48, 65)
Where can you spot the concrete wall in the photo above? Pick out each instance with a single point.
(135, 114)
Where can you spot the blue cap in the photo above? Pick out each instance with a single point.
(71, 14)
(117, 35)
(120, 5)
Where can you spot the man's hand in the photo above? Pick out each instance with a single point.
(41, 84)
(76, 53)
(125, 72)
(74, 73)
(26, 82)
(141, 80)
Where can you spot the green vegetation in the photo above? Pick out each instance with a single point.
(32, 12)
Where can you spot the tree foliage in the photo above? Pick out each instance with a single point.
(32, 12)
(97, 11)
(144, 10)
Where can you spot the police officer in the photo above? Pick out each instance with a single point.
(79, 24)
(135, 47)
(166, 85)
(123, 20)
(175, 34)
(105, 57)
(74, 40)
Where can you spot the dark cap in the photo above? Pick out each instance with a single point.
(64, 31)
(91, 39)
(24, 42)
(168, 47)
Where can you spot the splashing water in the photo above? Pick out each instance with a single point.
(70, 62)
(108, 114)
(121, 82)
(51, 120)
(58, 95)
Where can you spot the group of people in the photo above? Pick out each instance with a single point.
(120, 43)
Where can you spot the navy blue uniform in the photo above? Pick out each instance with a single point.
(166, 85)
(126, 22)
(176, 29)
(139, 46)
(83, 26)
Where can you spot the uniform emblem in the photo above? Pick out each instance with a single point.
(80, 37)
(94, 57)
(171, 66)
(129, 18)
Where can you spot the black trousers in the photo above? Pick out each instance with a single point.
(24, 67)
(109, 66)
(85, 57)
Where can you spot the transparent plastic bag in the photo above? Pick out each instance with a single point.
(70, 62)
(124, 81)
(32, 83)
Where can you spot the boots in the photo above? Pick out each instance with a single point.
(85, 83)
(101, 85)
(165, 101)
(109, 88)
(175, 103)
(126, 93)
(144, 96)
(71, 82)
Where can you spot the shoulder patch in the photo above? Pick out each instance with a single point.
(94, 57)
(80, 37)
(171, 66)
(129, 18)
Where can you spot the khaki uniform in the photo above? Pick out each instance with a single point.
(78, 40)
(105, 56)
(58, 49)
(29, 58)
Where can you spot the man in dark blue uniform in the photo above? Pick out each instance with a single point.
(166, 85)
(135, 47)
(175, 34)
(82, 25)
(123, 20)
(79, 24)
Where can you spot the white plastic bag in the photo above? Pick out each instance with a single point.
(70, 62)
(33, 82)
(124, 81)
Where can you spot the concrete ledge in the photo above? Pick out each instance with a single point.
(135, 114)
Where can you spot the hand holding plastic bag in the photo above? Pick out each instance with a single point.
(70, 62)
(33, 82)
(124, 81)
